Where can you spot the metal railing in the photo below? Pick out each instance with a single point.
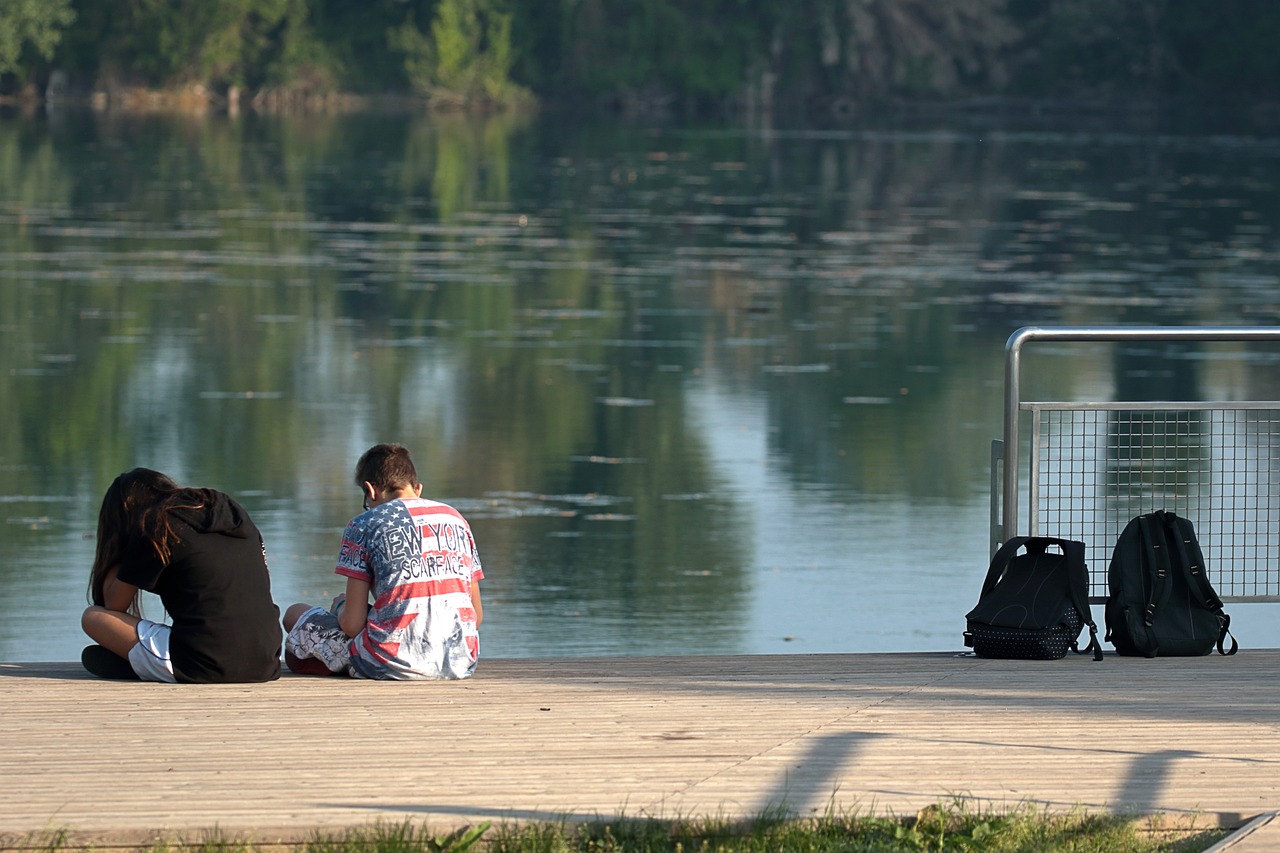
(1094, 465)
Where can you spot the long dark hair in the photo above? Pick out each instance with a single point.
(137, 504)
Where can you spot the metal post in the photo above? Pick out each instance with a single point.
(1012, 369)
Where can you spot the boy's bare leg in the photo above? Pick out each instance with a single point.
(292, 615)
(301, 666)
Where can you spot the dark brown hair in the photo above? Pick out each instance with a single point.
(137, 504)
(386, 466)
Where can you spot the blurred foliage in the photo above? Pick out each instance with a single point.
(814, 59)
(30, 31)
(465, 60)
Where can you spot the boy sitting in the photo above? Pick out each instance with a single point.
(418, 559)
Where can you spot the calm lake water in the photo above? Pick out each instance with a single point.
(698, 389)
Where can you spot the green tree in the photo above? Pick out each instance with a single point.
(31, 27)
(159, 43)
(234, 41)
(466, 60)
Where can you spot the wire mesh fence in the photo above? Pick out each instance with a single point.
(1094, 466)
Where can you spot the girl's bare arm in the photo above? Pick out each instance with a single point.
(116, 594)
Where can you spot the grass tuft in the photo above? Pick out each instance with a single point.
(954, 827)
(396, 838)
(937, 828)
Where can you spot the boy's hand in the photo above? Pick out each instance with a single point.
(338, 602)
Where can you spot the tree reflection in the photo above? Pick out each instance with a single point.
(534, 307)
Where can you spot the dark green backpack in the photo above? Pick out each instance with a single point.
(1160, 601)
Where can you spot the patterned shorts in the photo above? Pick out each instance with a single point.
(318, 635)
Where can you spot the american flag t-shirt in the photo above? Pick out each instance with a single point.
(419, 558)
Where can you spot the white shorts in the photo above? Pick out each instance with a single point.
(150, 657)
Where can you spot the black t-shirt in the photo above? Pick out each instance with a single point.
(217, 592)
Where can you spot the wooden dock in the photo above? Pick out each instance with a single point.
(578, 739)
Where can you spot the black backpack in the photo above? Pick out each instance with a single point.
(1160, 601)
(1033, 605)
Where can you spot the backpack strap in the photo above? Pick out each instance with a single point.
(1000, 561)
(1226, 632)
(1075, 557)
(1156, 551)
(1191, 559)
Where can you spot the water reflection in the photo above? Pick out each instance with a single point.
(698, 389)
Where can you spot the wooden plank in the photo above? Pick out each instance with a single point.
(577, 739)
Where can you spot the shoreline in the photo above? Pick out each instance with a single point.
(1081, 112)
